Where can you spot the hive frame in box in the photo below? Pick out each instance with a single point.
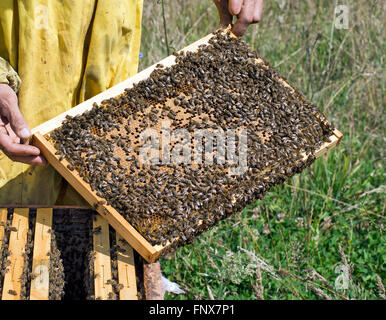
(122, 226)
(41, 260)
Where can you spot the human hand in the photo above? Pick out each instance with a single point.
(246, 11)
(14, 130)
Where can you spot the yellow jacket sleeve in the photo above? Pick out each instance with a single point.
(8, 75)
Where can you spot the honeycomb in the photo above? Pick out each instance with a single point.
(222, 89)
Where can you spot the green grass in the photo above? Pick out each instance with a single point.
(333, 213)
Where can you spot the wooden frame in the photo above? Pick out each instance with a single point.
(102, 261)
(102, 264)
(136, 240)
(126, 270)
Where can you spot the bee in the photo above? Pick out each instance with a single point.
(97, 230)
(12, 292)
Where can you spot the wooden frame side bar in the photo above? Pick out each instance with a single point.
(102, 262)
(327, 146)
(126, 270)
(17, 242)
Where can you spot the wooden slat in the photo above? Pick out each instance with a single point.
(3, 219)
(41, 260)
(17, 242)
(126, 270)
(120, 224)
(102, 262)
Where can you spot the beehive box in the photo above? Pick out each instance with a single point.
(256, 99)
(63, 253)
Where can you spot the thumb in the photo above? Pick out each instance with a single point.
(18, 124)
(225, 16)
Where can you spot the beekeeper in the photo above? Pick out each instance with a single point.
(53, 56)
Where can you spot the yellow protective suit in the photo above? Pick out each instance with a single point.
(65, 52)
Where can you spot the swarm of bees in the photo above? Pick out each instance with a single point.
(4, 252)
(221, 86)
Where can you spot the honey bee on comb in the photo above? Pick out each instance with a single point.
(222, 86)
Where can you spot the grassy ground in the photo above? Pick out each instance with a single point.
(297, 242)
